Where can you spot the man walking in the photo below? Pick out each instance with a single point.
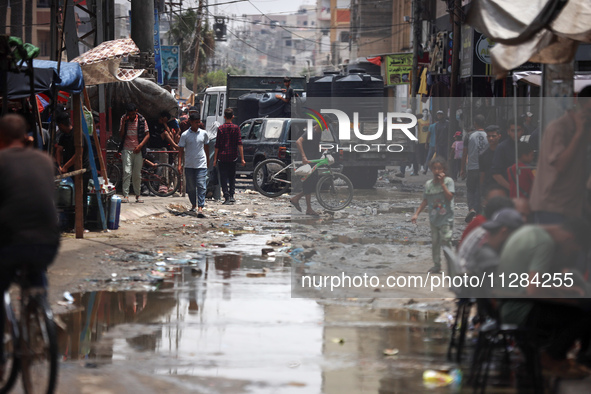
(228, 146)
(441, 134)
(134, 138)
(477, 144)
(193, 146)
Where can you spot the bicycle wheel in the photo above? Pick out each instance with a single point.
(334, 192)
(269, 180)
(9, 359)
(114, 175)
(163, 180)
(38, 346)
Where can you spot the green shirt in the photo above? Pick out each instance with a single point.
(439, 208)
(528, 249)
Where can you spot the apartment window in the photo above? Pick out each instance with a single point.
(344, 36)
(287, 43)
(43, 3)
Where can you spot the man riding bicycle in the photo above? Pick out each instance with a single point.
(29, 233)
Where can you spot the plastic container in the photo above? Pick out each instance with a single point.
(114, 213)
(65, 193)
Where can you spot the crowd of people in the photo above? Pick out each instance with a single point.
(528, 223)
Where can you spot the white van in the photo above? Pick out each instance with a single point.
(213, 106)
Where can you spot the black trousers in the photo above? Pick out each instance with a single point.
(228, 178)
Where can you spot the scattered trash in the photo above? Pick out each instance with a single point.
(266, 251)
(161, 263)
(433, 379)
(68, 297)
(411, 255)
(255, 274)
(390, 352)
(340, 341)
(196, 271)
(113, 275)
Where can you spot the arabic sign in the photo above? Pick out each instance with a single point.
(398, 69)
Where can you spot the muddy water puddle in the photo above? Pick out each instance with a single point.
(232, 316)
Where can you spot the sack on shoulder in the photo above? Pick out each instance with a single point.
(306, 169)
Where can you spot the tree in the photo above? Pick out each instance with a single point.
(184, 33)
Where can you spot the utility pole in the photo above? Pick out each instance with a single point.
(197, 45)
(416, 41)
(142, 33)
(456, 17)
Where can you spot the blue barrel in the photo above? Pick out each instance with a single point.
(114, 213)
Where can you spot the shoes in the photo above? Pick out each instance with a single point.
(434, 270)
(399, 175)
(200, 215)
(124, 199)
(192, 210)
(296, 205)
(415, 174)
(227, 202)
(232, 199)
(470, 216)
(139, 200)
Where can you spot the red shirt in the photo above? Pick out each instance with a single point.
(476, 222)
(526, 181)
(227, 142)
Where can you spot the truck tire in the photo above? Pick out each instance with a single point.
(362, 177)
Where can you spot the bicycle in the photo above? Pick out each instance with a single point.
(161, 179)
(334, 191)
(30, 342)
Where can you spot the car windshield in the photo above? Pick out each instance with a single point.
(273, 129)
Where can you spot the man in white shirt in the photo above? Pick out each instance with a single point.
(193, 146)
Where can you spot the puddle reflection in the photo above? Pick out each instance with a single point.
(223, 323)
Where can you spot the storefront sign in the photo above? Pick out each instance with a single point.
(398, 69)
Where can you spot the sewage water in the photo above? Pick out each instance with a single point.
(221, 323)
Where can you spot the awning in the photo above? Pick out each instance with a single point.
(101, 64)
(535, 78)
(541, 31)
(70, 79)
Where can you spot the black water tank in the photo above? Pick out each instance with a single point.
(359, 85)
(248, 106)
(321, 86)
(270, 106)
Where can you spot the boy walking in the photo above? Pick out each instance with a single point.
(228, 146)
(438, 197)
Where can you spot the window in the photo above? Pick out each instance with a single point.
(344, 36)
(287, 43)
(255, 132)
(43, 3)
(211, 105)
(244, 129)
(273, 129)
(305, 23)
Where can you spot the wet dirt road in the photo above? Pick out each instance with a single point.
(224, 318)
(222, 331)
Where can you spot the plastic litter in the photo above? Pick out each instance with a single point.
(432, 378)
(68, 297)
(390, 352)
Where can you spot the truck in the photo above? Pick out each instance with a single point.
(216, 99)
(360, 166)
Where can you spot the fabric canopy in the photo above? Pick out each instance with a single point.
(101, 64)
(535, 78)
(540, 31)
(45, 74)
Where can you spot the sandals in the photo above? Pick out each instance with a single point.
(138, 200)
(296, 205)
(124, 199)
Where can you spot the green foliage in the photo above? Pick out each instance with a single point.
(183, 33)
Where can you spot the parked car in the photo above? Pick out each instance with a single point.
(265, 138)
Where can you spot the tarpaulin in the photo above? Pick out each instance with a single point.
(541, 31)
(101, 64)
(535, 78)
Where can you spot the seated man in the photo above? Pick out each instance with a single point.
(533, 251)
